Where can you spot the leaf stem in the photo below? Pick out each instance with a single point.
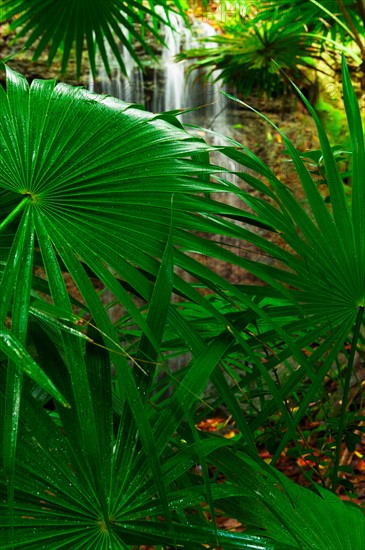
(351, 25)
(361, 8)
(346, 388)
(14, 213)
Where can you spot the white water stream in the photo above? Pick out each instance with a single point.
(171, 88)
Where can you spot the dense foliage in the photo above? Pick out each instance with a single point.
(116, 337)
(67, 27)
(300, 38)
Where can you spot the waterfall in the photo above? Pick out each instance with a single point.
(129, 88)
(172, 73)
(169, 87)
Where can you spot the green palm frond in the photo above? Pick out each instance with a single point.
(69, 26)
(60, 501)
(320, 17)
(250, 58)
(95, 188)
(324, 271)
(284, 513)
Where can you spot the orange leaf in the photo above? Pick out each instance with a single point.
(230, 434)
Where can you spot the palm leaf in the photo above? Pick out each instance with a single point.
(65, 26)
(58, 504)
(324, 266)
(282, 512)
(88, 183)
(250, 55)
(65, 174)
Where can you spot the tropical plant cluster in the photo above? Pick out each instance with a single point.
(304, 39)
(112, 328)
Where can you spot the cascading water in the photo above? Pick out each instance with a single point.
(129, 88)
(170, 74)
(176, 88)
(170, 89)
